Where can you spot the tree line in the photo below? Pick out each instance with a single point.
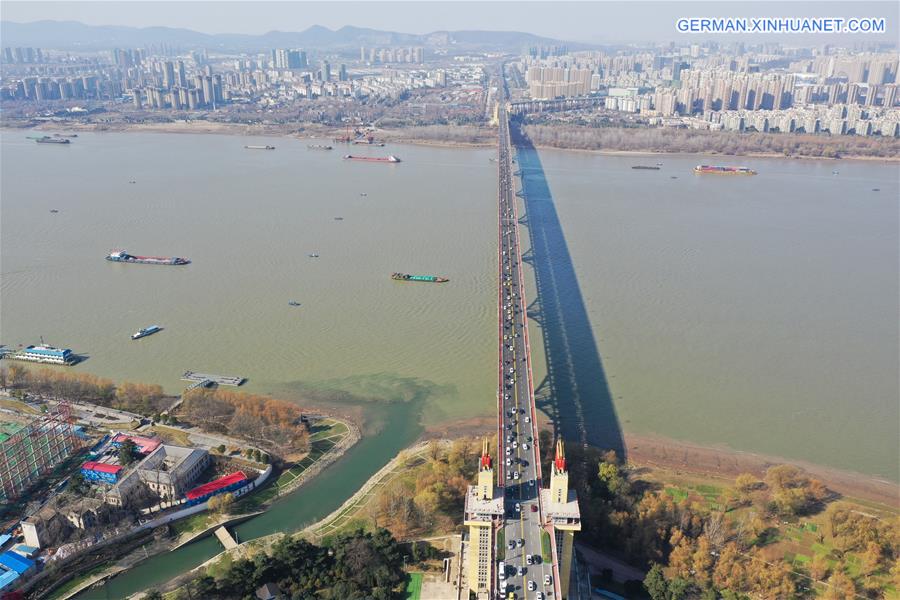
(271, 423)
(432, 496)
(695, 548)
(141, 398)
(356, 566)
(644, 139)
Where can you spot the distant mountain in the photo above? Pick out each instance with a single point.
(72, 35)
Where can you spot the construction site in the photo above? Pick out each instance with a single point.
(30, 450)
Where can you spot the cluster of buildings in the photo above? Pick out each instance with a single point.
(22, 56)
(194, 82)
(15, 562)
(766, 89)
(560, 82)
(412, 55)
(161, 473)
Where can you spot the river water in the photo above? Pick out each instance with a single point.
(758, 313)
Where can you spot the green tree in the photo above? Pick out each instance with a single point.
(655, 583)
(127, 452)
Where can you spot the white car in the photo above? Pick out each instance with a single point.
(516, 475)
(531, 586)
(528, 419)
(547, 580)
(515, 444)
(508, 462)
(539, 595)
(524, 446)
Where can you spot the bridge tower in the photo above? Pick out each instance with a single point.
(563, 516)
(484, 510)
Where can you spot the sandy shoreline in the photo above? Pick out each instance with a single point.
(401, 136)
(727, 463)
(711, 461)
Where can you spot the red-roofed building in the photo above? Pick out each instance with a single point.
(144, 445)
(221, 485)
(97, 471)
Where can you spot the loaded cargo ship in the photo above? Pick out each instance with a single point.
(53, 140)
(388, 159)
(122, 256)
(145, 332)
(318, 147)
(717, 170)
(426, 278)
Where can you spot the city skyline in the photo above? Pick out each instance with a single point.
(597, 22)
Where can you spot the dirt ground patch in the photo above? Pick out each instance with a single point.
(644, 450)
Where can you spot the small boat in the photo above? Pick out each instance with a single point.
(319, 147)
(53, 210)
(313, 255)
(658, 164)
(339, 218)
(876, 189)
(645, 167)
(293, 303)
(363, 194)
(132, 181)
(673, 177)
(259, 147)
(834, 172)
(146, 331)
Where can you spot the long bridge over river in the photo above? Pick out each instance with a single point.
(520, 534)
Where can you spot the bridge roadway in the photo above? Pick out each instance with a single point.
(518, 460)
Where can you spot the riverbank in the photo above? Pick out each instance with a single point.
(726, 463)
(340, 520)
(346, 436)
(438, 136)
(645, 450)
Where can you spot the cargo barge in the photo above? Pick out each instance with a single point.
(122, 256)
(259, 147)
(319, 147)
(145, 332)
(425, 278)
(645, 167)
(717, 170)
(387, 159)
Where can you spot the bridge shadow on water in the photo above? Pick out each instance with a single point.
(575, 393)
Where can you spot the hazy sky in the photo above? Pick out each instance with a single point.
(580, 21)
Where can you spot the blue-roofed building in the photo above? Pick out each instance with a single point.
(44, 354)
(25, 550)
(8, 579)
(17, 563)
(4, 539)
